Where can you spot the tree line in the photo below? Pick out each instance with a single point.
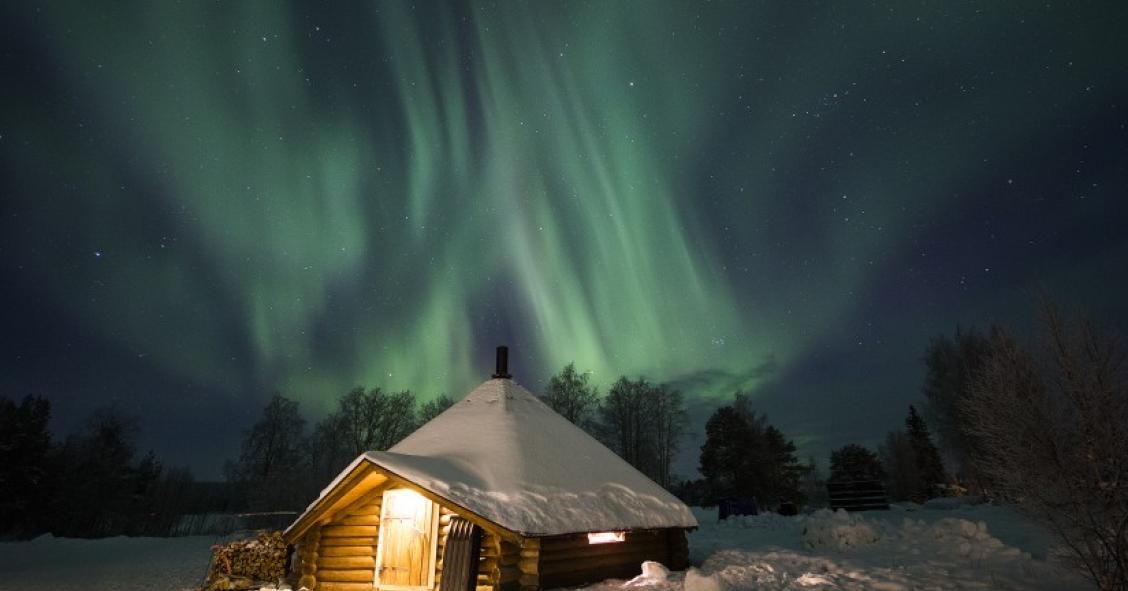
(94, 483)
(1041, 425)
(282, 466)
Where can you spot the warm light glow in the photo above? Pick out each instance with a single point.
(404, 503)
(607, 537)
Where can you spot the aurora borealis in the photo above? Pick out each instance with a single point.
(207, 202)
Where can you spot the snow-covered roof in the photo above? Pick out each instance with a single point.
(504, 455)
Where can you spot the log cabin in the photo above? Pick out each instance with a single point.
(497, 493)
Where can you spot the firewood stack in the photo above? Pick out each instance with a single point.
(247, 564)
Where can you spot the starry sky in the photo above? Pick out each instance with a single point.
(202, 203)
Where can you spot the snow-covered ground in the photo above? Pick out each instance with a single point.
(939, 546)
(127, 564)
(908, 548)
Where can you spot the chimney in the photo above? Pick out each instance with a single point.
(502, 363)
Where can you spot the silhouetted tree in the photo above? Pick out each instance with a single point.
(854, 462)
(98, 481)
(434, 408)
(669, 427)
(1051, 430)
(898, 458)
(950, 365)
(272, 458)
(570, 394)
(626, 419)
(25, 450)
(745, 456)
(930, 468)
(376, 420)
(644, 424)
(727, 457)
(330, 450)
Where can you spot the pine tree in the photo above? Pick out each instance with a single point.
(854, 462)
(744, 456)
(930, 468)
(25, 449)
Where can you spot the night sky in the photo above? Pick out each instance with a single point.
(207, 202)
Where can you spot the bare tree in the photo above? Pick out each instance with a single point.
(1051, 427)
(375, 420)
(571, 395)
(950, 365)
(434, 408)
(627, 422)
(272, 457)
(669, 426)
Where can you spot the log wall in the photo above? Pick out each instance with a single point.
(569, 560)
(341, 555)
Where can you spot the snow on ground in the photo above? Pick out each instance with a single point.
(942, 545)
(120, 564)
(938, 546)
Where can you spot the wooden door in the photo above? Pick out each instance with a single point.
(405, 554)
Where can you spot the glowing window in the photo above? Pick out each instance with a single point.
(607, 537)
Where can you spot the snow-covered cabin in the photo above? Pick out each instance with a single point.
(498, 492)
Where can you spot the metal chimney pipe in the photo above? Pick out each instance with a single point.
(502, 363)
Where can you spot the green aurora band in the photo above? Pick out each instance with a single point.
(357, 232)
(290, 198)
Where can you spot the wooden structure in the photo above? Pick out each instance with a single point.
(497, 493)
(857, 495)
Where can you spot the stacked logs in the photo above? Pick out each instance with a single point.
(497, 564)
(571, 560)
(529, 564)
(346, 549)
(241, 563)
(445, 516)
(307, 558)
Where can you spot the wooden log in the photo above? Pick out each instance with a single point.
(508, 559)
(346, 576)
(334, 586)
(444, 518)
(345, 562)
(350, 531)
(528, 565)
(594, 550)
(615, 560)
(529, 581)
(365, 541)
(307, 581)
(509, 574)
(367, 508)
(361, 520)
(348, 551)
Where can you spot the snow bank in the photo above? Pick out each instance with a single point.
(958, 546)
(119, 564)
(838, 531)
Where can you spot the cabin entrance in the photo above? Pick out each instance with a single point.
(405, 551)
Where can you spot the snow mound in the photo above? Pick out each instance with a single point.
(840, 531)
(653, 573)
(696, 581)
(763, 521)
